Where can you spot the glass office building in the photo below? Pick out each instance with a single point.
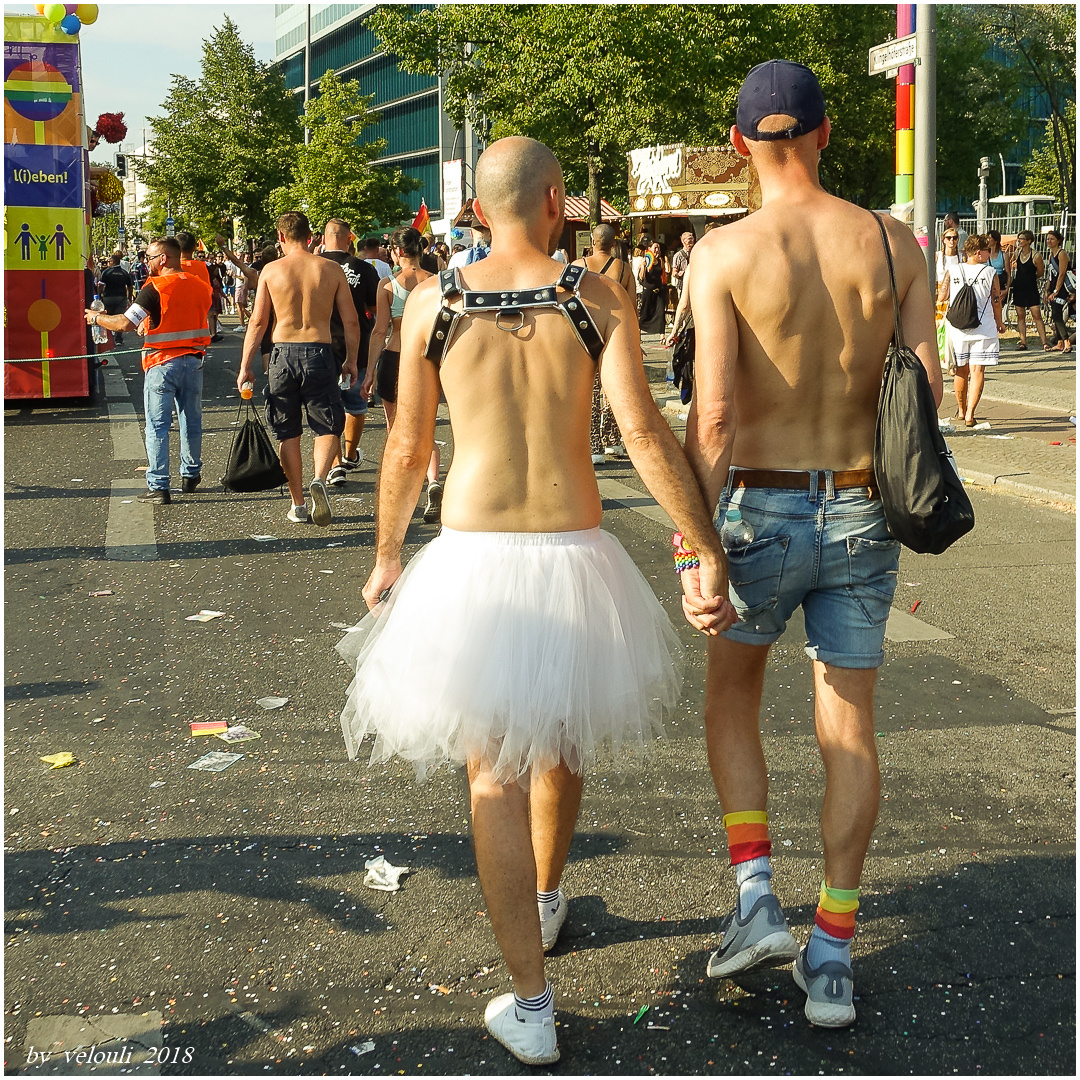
(418, 133)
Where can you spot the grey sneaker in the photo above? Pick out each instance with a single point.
(550, 927)
(762, 940)
(320, 503)
(828, 991)
(299, 514)
(433, 510)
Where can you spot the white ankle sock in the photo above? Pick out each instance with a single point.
(548, 902)
(535, 1010)
(754, 878)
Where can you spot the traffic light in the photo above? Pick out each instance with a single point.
(121, 165)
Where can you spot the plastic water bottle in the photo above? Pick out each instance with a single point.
(735, 533)
(98, 333)
(247, 389)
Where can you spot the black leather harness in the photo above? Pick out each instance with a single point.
(508, 304)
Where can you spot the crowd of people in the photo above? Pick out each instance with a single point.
(522, 642)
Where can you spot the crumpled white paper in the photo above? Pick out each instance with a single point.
(382, 876)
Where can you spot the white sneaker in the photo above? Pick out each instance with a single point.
(353, 463)
(299, 514)
(534, 1044)
(550, 927)
(598, 459)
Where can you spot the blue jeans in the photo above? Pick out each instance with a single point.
(829, 551)
(176, 382)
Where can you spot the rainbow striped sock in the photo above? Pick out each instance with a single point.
(749, 848)
(747, 835)
(834, 926)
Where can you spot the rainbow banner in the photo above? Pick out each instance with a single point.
(45, 213)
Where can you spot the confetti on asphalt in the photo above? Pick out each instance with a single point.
(158, 783)
(326, 571)
(215, 761)
(913, 584)
(204, 616)
(102, 592)
(271, 702)
(58, 761)
(363, 1048)
(641, 1012)
(262, 539)
(915, 606)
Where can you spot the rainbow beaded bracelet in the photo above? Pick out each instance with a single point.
(685, 558)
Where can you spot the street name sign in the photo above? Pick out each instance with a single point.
(893, 55)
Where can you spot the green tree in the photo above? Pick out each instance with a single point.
(1043, 37)
(594, 81)
(976, 104)
(1041, 173)
(226, 141)
(337, 174)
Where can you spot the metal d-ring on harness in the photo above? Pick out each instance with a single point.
(510, 303)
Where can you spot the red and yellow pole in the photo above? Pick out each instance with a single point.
(905, 113)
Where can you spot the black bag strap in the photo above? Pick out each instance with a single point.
(898, 330)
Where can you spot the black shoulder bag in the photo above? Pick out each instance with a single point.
(926, 506)
(253, 462)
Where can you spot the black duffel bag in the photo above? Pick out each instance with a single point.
(253, 462)
(926, 506)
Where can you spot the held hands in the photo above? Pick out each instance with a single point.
(705, 597)
(382, 578)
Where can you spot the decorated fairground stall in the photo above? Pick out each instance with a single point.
(47, 351)
(676, 189)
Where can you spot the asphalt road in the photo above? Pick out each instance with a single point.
(172, 932)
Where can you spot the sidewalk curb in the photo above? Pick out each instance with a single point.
(1016, 487)
(674, 409)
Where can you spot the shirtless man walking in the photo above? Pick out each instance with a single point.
(782, 427)
(303, 290)
(522, 639)
(603, 431)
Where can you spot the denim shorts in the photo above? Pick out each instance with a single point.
(354, 402)
(828, 550)
(303, 376)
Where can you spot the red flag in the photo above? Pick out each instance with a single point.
(422, 221)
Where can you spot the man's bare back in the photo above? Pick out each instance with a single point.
(520, 401)
(303, 289)
(804, 298)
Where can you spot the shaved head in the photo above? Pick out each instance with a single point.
(603, 237)
(512, 177)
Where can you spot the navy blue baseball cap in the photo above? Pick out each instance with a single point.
(779, 87)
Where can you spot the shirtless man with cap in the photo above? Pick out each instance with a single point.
(782, 425)
(522, 639)
(303, 290)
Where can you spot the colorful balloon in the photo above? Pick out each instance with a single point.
(54, 12)
(70, 25)
(40, 8)
(87, 13)
(71, 8)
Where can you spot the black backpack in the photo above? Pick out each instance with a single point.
(963, 312)
(253, 462)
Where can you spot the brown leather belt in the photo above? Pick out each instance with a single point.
(800, 481)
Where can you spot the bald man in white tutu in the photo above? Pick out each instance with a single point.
(522, 642)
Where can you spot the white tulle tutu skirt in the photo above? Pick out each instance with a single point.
(517, 649)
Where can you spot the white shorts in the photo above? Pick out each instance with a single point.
(516, 649)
